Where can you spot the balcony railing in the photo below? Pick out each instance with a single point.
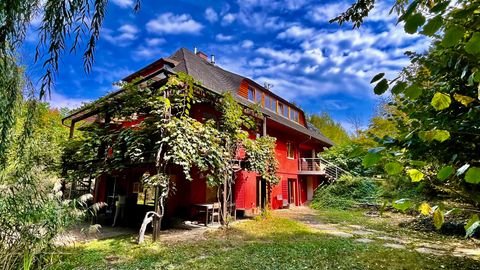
(319, 166)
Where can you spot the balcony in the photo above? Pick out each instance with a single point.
(311, 166)
(319, 166)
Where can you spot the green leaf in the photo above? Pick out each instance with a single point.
(413, 22)
(381, 87)
(445, 172)
(402, 204)
(435, 134)
(473, 45)
(473, 175)
(415, 175)
(474, 218)
(413, 91)
(393, 168)
(471, 230)
(433, 26)
(438, 218)
(441, 101)
(371, 159)
(425, 209)
(399, 87)
(465, 100)
(440, 7)
(453, 35)
(377, 77)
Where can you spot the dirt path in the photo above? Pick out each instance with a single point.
(365, 235)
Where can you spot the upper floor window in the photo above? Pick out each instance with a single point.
(251, 93)
(258, 96)
(290, 150)
(285, 111)
(270, 103)
(294, 115)
(280, 108)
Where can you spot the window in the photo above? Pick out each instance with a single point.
(290, 150)
(270, 103)
(294, 115)
(251, 93)
(280, 108)
(258, 96)
(285, 111)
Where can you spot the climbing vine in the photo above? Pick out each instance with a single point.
(162, 131)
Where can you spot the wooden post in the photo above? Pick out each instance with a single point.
(72, 129)
(264, 133)
(224, 205)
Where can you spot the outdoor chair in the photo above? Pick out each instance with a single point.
(216, 212)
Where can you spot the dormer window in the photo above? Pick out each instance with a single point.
(251, 93)
(285, 111)
(258, 96)
(294, 115)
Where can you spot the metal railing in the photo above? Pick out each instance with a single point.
(320, 166)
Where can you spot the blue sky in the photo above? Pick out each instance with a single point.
(288, 43)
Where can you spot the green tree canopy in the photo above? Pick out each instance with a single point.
(333, 130)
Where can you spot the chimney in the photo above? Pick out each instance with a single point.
(212, 59)
(202, 55)
(195, 50)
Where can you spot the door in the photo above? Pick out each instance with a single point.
(261, 192)
(309, 188)
(292, 191)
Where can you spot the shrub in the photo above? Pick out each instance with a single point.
(346, 192)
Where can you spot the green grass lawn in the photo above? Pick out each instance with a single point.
(274, 243)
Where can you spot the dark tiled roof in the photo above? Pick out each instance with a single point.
(209, 75)
(219, 80)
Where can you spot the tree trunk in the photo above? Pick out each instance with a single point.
(148, 218)
(157, 220)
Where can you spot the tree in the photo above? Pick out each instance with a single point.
(437, 95)
(331, 129)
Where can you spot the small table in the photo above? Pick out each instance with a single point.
(207, 207)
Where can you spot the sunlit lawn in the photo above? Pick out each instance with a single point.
(274, 243)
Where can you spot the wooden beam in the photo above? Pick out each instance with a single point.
(72, 129)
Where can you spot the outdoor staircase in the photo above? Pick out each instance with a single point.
(320, 166)
(81, 187)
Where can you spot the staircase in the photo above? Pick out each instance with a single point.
(320, 166)
(82, 186)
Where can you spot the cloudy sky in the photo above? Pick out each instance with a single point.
(288, 43)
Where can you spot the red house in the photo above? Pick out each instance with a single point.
(297, 145)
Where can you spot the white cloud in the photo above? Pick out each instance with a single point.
(61, 101)
(247, 44)
(145, 52)
(280, 55)
(296, 32)
(324, 13)
(123, 36)
(211, 15)
(169, 23)
(222, 37)
(151, 42)
(228, 19)
(123, 3)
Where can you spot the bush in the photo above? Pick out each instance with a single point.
(346, 192)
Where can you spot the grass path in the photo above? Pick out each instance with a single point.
(286, 240)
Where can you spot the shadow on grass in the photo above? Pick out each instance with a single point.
(274, 243)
